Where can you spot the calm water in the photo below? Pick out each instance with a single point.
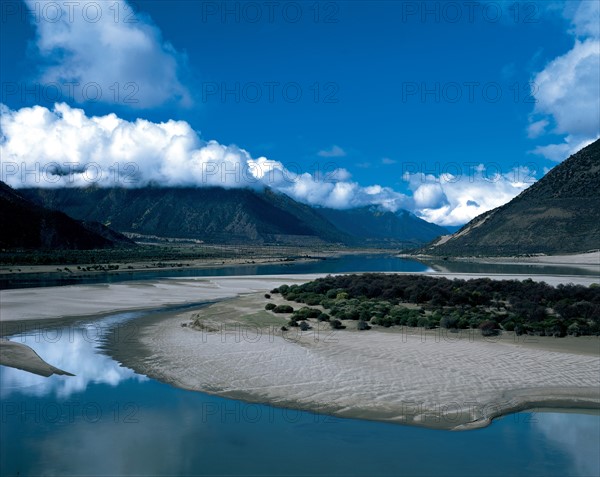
(344, 263)
(108, 420)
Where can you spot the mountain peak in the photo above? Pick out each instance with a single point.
(558, 214)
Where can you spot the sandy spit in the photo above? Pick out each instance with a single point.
(448, 383)
(21, 356)
(431, 379)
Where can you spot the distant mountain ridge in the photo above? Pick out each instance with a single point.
(211, 214)
(26, 225)
(220, 215)
(558, 214)
(381, 227)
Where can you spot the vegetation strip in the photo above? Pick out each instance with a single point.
(525, 307)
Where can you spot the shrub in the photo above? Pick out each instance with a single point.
(336, 325)
(385, 321)
(412, 321)
(267, 296)
(270, 306)
(574, 329)
(304, 326)
(488, 328)
(283, 289)
(283, 309)
(308, 312)
(424, 322)
(449, 321)
(331, 293)
(362, 325)
(463, 323)
(323, 317)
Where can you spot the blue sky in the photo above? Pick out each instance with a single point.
(363, 92)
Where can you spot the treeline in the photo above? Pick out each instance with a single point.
(160, 253)
(523, 306)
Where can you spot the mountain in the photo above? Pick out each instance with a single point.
(558, 214)
(371, 225)
(218, 215)
(26, 225)
(211, 214)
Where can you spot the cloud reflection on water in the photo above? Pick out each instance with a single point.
(75, 350)
(578, 435)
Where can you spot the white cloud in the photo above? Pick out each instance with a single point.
(429, 196)
(559, 152)
(537, 128)
(107, 50)
(64, 147)
(455, 200)
(568, 88)
(585, 17)
(387, 161)
(333, 151)
(107, 150)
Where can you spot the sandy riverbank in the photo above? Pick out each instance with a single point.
(449, 381)
(239, 351)
(588, 261)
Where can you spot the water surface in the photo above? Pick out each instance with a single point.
(341, 264)
(108, 420)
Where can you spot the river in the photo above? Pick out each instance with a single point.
(108, 420)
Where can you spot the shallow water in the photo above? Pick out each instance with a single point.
(108, 420)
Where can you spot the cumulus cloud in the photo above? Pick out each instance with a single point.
(64, 147)
(107, 53)
(568, 88)
(333, 151)
(456, 199)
